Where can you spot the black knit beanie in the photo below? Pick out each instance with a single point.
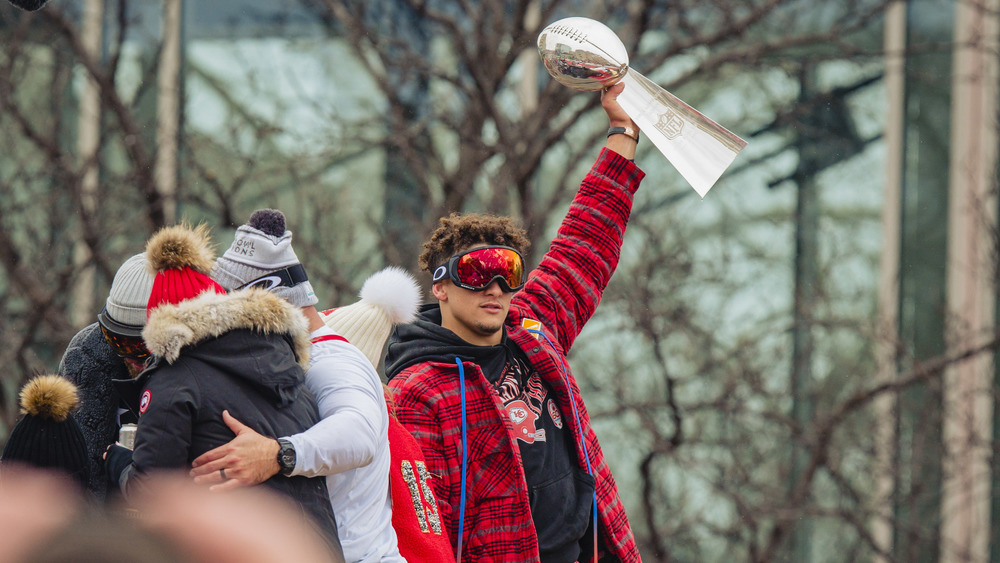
(48, 436)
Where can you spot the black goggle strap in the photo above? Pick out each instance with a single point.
(440, 273)
(285, 277)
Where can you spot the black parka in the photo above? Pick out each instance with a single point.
(243, 352)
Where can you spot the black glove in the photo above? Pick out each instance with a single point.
(30, 5)
(116, 460)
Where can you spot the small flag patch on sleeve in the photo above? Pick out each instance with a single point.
(532, 325)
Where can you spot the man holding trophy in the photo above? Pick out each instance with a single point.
(482, 382)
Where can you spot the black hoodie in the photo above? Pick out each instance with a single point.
(425, 340)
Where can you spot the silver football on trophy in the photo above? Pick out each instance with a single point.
(582, 53)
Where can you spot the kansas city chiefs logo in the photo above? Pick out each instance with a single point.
(523, 419)
(518, 414)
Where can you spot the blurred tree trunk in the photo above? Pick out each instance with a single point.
(88, 145)
(806, 290)
(972, 285)
(168, 108)
(887, 350)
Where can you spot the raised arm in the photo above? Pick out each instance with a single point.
(566, 287)
(623, 143)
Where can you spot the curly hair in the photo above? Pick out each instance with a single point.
(458, 232)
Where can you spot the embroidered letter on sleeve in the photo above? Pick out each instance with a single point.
(424, 505)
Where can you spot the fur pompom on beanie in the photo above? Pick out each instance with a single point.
(48, 436)
(180, 258)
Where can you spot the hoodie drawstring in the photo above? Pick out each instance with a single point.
(465, 460)
(583, 436)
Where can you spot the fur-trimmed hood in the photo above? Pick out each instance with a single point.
(172, 327)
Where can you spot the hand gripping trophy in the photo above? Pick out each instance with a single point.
(585, 54)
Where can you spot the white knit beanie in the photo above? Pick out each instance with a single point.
(261, 249)
(130, 291)
(388, 297)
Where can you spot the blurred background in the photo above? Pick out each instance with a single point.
(797, 368)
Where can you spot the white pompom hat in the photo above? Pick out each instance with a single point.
(388, 297)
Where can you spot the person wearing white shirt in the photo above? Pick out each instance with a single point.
(349, 445)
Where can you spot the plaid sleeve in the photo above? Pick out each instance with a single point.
(566, 287)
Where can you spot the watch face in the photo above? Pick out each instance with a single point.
(286, 457)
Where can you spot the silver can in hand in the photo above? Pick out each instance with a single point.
(126, 436)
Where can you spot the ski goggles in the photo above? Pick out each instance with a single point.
(477, 268)
(125, 340)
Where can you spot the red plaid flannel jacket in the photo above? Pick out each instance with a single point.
(562, 294)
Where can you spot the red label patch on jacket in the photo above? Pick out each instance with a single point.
(144, 401)
(532, 325)
(555, 414)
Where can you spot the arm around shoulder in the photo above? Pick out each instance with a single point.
(354, 420)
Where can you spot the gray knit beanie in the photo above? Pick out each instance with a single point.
(261, 255)
(129, 293)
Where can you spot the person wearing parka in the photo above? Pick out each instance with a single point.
(426, 362)
(244, 352)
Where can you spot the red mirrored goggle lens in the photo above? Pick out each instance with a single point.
(126, 346)
(478, 268)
